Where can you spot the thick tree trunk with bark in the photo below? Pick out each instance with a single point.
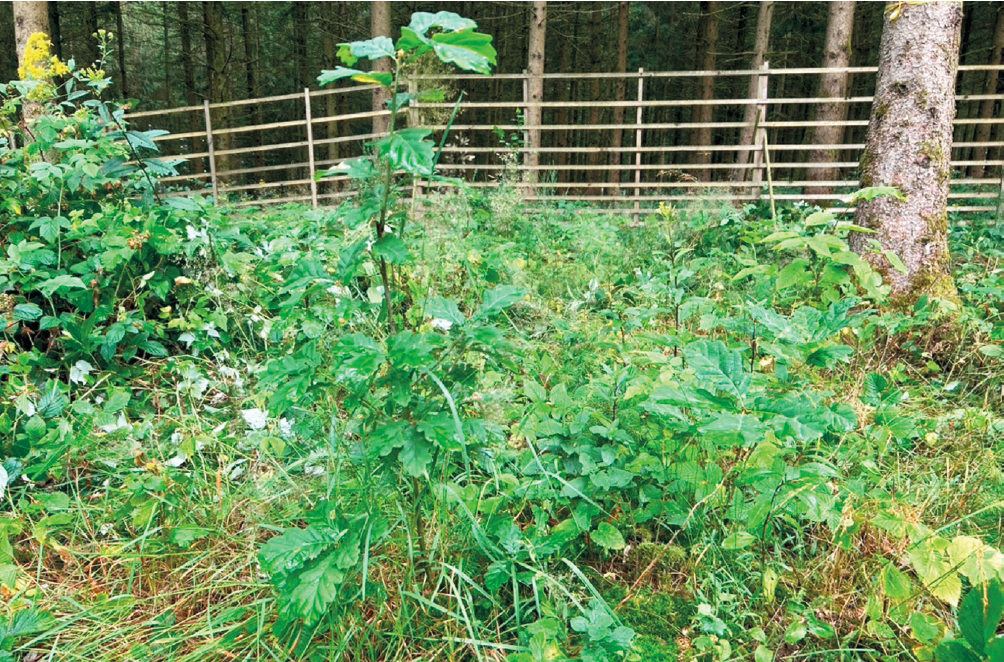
(987, 105)
(597, 49)
(909, 147)
(332, 13)
(380, 27)
(535, 87)
(251, 64)
(90, 52)
(831, 114)
(620, 91)
(188, 67)
(55, 34)
(8, 42)
(702, 136)
(29, 18)
(216, 61)
(759, 55)
(120, 49)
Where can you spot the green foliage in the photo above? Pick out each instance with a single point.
(979, 617)
(319, 566)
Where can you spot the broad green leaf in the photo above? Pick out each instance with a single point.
(607, 536)
(819, 218)
(443, 309)
(415, 456)
(375, 78)
(718, 368)
(896, 585)
(995, 650)
(924, 628)
(26, 312)
(447, 21)
(796, 632)
(287, 552)
(314, 589)
(795, 274)
(48, 228)
(560, 399)
(955, 651)
(413, 43)
(338, 73)
(469, 50)
(738, 540)
(391, 248)
(948, 588)
(117, 401)
(24, 622)
(372, 49)
(781, 235)
(52, 403)
(408, 150)
(733, 429)
(500, 298)
(410, 350)
(977, 561)
(980, 614)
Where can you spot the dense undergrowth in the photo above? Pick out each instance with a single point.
(473, 432)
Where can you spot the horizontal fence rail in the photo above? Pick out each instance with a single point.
(620, 152)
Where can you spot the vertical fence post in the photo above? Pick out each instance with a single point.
(310, 148)
(212, 153)
(759, 132)
(637, 148)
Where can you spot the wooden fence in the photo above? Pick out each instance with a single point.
(626, 166)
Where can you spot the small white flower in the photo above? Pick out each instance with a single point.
(442, 325)
(255, 418)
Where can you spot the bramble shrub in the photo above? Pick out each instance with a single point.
(88, 258)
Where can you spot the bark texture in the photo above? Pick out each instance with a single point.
(909, 147)
(763, 23)
(620, 90)
(29, 18)
(535, 85)
(836, 54)
(216, 61)
(702, 136)
(380, 27)
(987, 105)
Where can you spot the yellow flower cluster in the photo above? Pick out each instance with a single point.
(37, 63)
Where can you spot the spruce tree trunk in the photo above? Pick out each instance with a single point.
(759, 55)
(909, 147)
(702, 136)
(831, 114)
(535, 86)
(216, 61)
(380, 27)
(251, 63)
(597, 49)
(620, 91)
(120, 49)
(90, 52)
(191, 98)
(332, 12)
(55, 34)
(987, 105)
